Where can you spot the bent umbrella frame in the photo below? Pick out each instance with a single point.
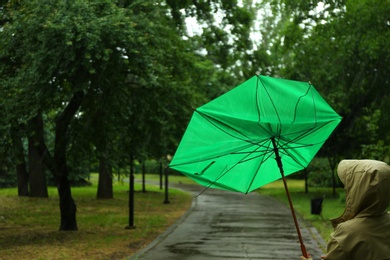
(232, 141)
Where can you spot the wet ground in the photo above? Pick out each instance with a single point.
(228, 225)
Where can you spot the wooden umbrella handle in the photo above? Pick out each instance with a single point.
(280, 165)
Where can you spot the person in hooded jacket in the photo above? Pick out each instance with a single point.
(362, 232)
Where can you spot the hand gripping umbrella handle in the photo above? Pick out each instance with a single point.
(280, 165)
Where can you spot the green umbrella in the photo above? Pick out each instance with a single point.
(260, 131)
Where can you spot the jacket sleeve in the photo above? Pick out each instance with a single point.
(334, 250)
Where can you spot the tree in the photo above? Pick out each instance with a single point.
(94, 72)
(223, 39)
(62, 54)
(340, 46)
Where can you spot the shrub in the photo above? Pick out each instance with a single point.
(320, 174)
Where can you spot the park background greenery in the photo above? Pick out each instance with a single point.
(101, 86)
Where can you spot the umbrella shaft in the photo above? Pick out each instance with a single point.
(303, 248)
(280, 165)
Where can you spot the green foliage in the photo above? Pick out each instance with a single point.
(320, 175)
(377, 151)
(223, 38)
(7, 179)
(151, 166)
(341, 47)
(121, 60)
(94, 71)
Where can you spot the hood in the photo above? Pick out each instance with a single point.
(367, 192)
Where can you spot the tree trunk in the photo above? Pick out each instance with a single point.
(131, 193)
(105, 180)
(22, 177)
(67, 205)
(57, 163)
(161, 174)
(143, 177)
(306, 181)
(37, 176)
(332, 163)
(21, 166)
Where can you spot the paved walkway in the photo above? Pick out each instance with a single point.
(227, 225)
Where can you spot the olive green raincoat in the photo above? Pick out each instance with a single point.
(362, 232)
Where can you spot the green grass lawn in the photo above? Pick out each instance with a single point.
(29, 226)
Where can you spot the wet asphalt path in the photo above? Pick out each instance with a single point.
(229, 225)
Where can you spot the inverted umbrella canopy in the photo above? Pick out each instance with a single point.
(260, 131)
(230, 142)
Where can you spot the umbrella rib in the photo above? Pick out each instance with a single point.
(308, 132)
(314, 104)
(299, 99)
(286, 151)
(272, 101)
(255, 157)
(221, 155)
(257, 100)
(285, 147)
(206, 159)
(208, 118)
(258, 105)
(223, 173)
(258, 168)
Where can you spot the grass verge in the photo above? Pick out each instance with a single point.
(333, 206)
(28, 226)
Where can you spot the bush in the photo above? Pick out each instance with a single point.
(320, 174)
(7, 179)
(151, 166)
